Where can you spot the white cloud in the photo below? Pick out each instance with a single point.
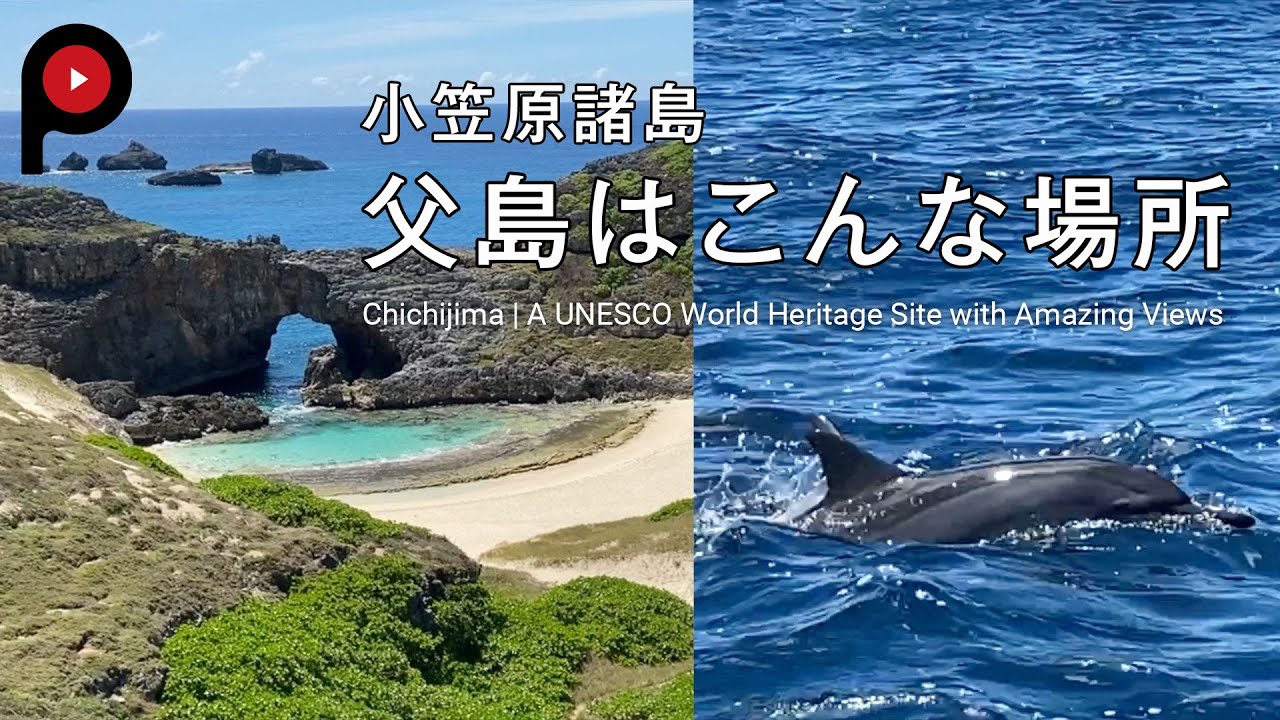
(150, 38)
(599, 74)
(239, 70)
(364, 81)
(319, 81)
(486, 77)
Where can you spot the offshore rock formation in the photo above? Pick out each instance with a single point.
(75, 162)
(93, 296)
(185, 178)
(269, 162)
(135, 156)
(265, 162)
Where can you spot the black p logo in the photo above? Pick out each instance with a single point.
(76, 80)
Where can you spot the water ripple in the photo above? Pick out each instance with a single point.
(1123, 622)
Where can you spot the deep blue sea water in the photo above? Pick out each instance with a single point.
(1125, 623)
(307, 210)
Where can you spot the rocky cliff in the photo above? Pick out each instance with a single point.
(90, 296)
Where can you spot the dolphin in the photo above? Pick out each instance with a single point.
(869, 500)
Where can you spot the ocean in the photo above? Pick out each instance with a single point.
(308, 210)
(1133, 622)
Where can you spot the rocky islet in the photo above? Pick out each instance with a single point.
(135, 156)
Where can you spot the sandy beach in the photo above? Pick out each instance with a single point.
(553, 467)
(634, 478)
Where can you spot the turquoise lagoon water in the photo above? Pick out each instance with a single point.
(331, 438)
(307, 210)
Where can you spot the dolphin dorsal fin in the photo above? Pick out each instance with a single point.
(850, 470)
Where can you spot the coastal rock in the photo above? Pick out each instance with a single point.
(269, 162)
(159, 418)
(135, 156)
(185, 178)
(74, 162)
(163, 418)
(112, 398)
(266, 162)
(291, 162)
(326, 376)
(121, 300)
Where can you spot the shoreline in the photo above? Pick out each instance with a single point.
(531, 436)
(610, 484)
(555, 467)
(545, 436)
(635, 477)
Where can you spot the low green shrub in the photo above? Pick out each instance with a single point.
(133, 452)
(343, 645)
(465, 619)
(628, 183)
(681, 265)
(294, 505)
(362, 642)
(673, 509)
(672, 701)
(609, 279)
(627, 623)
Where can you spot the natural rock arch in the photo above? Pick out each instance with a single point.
(167, 312)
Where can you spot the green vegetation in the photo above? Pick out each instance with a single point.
(668, 530)
(621, 621)
(362, 642)
(37, 214)
(677, 157)
(122, 585)
(134, 453)
(297, 506)
(102, 556)
(672, 510)
(610, 278)
(628, 183)
(602, 679)
(680, 266)
(672, 701)
(578, 280)
(293, 505)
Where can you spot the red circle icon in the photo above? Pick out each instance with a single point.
(76, 79)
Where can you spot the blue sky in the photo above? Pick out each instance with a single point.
(281, 53)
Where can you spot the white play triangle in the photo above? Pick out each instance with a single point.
(77, 79)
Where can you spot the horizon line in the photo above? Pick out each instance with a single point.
(18, 110)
